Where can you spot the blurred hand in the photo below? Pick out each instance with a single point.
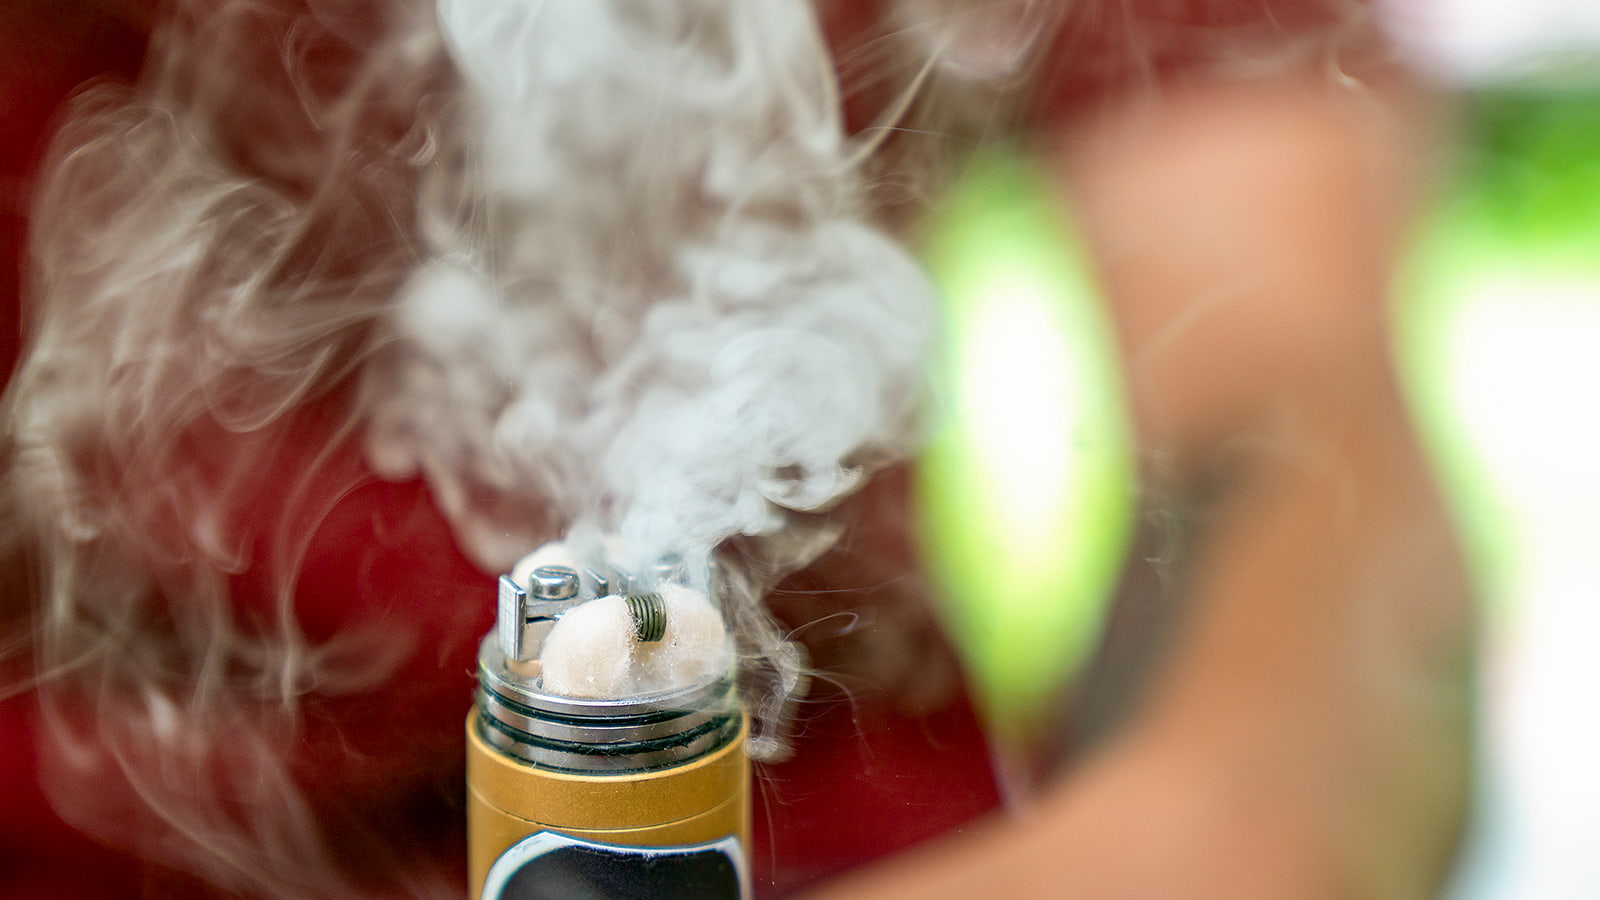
(1307, 735)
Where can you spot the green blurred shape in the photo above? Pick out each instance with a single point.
(1026, 494)
(1509, 257)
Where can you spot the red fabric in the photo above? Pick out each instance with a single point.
(40, 856)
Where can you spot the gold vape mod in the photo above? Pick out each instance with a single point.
(641, 796)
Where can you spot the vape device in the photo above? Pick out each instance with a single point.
(572, 797)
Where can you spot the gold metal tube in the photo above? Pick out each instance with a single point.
(697, 802)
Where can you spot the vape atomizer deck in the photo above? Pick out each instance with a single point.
(642, 796)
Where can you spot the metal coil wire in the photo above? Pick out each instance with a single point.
(649, 616)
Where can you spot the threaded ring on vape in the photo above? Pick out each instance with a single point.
(635, 734)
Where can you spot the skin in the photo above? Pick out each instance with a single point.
(1307, 734)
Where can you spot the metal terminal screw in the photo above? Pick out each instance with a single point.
(649, 615)
(553, 583)
(552, 591)
(670, 569)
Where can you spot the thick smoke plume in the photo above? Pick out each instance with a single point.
(591, 266)
(652, 302)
